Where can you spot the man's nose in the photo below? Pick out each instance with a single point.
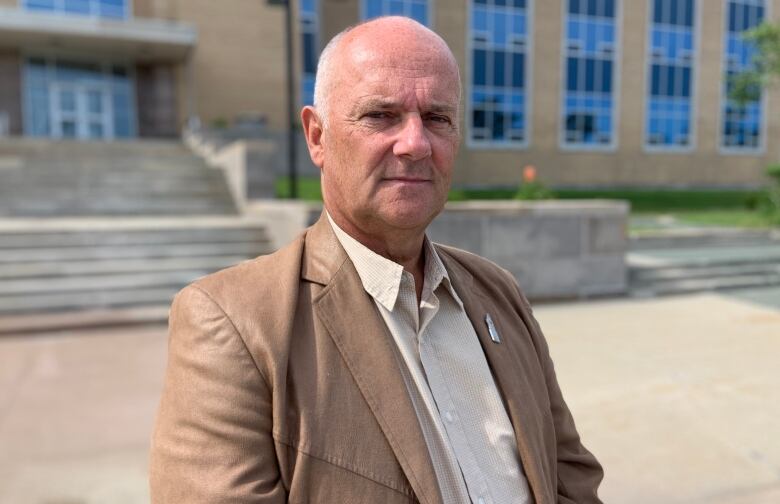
(412, 142)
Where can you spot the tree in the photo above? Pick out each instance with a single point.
(746, 86)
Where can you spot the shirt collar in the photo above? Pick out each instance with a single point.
(381, 277)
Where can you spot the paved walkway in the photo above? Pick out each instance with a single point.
(678, 397)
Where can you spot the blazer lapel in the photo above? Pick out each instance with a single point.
(359, 333)
(507, 367)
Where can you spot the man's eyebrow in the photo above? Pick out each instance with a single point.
(385, 104)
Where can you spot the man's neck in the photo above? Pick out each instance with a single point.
(402, 246)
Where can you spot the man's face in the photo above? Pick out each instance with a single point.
(391, 136)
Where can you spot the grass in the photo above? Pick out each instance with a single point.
(735, 218)
(726, 208)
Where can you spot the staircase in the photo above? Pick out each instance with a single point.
(110, 229)
(44, 178)
(712, 261)
(94, 265)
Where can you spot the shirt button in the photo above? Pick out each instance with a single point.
(449, 416)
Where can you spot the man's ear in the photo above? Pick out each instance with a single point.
(312, 130)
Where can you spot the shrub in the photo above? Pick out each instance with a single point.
(530, 188)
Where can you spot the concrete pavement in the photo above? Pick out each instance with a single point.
(678, 397)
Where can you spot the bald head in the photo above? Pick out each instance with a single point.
(393, 40)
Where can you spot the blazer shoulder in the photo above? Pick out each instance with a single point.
(255, 277)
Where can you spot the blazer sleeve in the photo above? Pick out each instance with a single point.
(212, 441)
(579, 473)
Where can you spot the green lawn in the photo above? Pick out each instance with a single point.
(737, 208)
(716, 218)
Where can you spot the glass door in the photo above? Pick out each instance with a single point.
(81, 111)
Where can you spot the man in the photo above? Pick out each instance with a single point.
(361, 363)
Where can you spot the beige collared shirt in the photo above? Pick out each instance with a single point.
(466, 428)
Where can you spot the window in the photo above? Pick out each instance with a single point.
(672, 49)
(415, 9)
(590, 71)
(741, 125)
(498, 81)
(117, 9)
(77, 99)
(309, 23)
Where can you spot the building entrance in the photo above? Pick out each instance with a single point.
(81, 111)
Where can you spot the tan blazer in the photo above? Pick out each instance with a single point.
(283, 386)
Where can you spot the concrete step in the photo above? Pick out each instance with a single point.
(50, 178)
(17, 324)
(47, 239)
(646, 275)
(690, 285)
(37, 270)
(18, 288)
(93, 264)
(701, 238)
(60, 301)
(54, 254)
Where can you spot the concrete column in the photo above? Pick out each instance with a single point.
(11, 91)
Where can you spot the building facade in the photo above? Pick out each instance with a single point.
(594, 93)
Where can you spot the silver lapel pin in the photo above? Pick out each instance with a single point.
(492, 329)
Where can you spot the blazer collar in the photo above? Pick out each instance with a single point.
(368, 349)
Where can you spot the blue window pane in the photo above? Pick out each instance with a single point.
(308, 7)
(39, 4)
(77, 6)
(112, 8)
(420, 13)
(574, 6)
(609, 10)
(103, 8)
(499, 66)
(478, 118)
(518, 24)
(572, 74)
(498, 28)
(373, 8)
(479, 20)
(518, 70)
(498, 125)
(396, 7)
(741, 125)
(606, 77)
(309, 53)
(689, 13)
(480, 67)
(590, 75)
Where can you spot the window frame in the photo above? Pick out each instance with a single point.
(491, 144)
(695, 74)
(617, 68)
(730, 150)
(363, 9)
(59, 9)
(51, 58)
(317, 44)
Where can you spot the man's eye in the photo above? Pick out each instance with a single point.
(439, 119)
(378, 115)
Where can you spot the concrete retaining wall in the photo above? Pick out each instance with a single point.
(555, 249)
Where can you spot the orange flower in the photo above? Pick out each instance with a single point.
(529, 174)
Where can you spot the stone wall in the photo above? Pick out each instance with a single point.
(555, 249)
